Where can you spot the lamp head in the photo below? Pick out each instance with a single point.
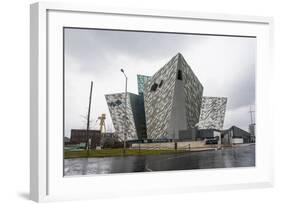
(122, 70)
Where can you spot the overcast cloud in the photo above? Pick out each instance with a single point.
(224, 65)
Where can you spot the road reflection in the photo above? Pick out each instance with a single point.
(243, 156)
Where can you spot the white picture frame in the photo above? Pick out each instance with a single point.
(46, 154)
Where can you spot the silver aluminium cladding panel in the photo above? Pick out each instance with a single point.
(158, 100)
(212, 113)
(193, 92)
(172, 95)
(142, 79)
(116, 105)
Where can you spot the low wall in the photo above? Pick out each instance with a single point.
(169, 145)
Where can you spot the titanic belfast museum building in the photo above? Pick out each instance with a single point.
(168, 102)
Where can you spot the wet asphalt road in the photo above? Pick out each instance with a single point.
(243, 156)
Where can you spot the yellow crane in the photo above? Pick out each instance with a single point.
(102, 123)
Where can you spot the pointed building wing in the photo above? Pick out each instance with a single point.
(116, 105)
(172, 98)
(212, 113)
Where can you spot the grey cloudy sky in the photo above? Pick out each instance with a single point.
(225, 67)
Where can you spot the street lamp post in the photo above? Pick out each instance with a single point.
(125, 116)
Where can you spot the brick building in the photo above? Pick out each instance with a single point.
(79, 136)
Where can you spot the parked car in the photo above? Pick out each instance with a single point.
(211, 140)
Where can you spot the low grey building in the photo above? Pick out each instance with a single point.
(209, 133)
(235, 132)
(188, 135)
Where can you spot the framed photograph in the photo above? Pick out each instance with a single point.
(130, 102)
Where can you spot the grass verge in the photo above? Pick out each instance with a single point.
(116, 152)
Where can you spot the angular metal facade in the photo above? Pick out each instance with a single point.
(212, 113)
(135, 115)
(137, 106)
(116, 105)
(141, 81)
(172, 99)
(168, 103)
(193, 91)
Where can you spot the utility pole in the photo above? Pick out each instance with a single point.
(251, 113)
(252, 125)
(87, 147)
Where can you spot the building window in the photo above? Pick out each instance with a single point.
(179, 77)
(160, 84)
(118, 102)
(154, 87)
